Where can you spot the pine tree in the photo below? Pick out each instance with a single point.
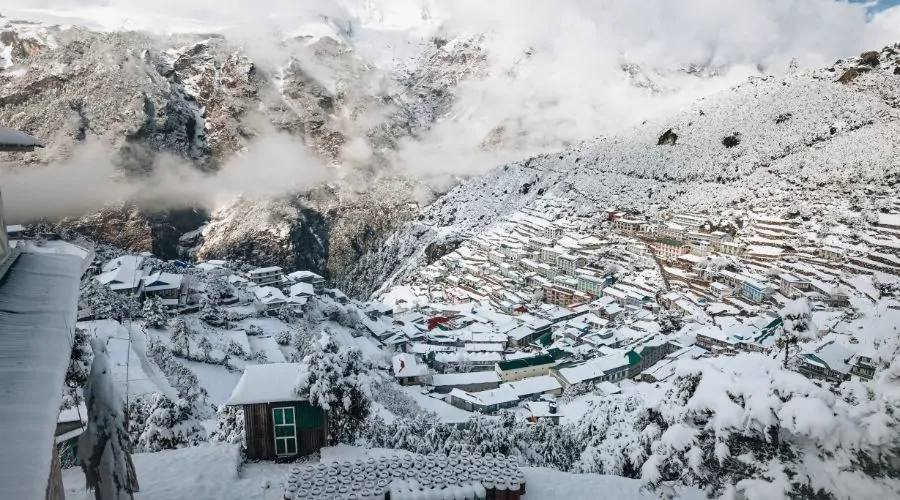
(206, 346)
(210, 313)
(180, 341)
(283, 337)
(170, 425)
(797, 327)
(155, 314)
(79, 367)
(103, 448)
(334, 382)
(230, 426)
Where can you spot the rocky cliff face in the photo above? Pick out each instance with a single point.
(202, 99)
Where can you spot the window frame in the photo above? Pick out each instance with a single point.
(285, 439)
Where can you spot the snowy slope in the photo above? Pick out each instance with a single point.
(803, 136)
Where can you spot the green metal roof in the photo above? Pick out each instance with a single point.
(545, 339)
(633, 357)
(515, 364)
(558, 353)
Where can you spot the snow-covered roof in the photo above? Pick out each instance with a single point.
(540, 409)
(592, 369)
(406, 365)
(608, 388)
(533, 385)
(267, 383)
(301, 275)
(15, 228)
(487, 398)
(13, 140)
(268, 294)
(835, 356)
(122, 273)
(38, 302)
(302, 289)
(454, 379)
(162, 281)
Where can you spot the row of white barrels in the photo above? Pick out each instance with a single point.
(457, 476)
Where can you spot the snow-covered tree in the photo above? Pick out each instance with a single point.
(230, 426)
(261, 357)
(283, 337)
(218, 289)
(206, 346)
(79, 367)
(155, 314)
(335, 380)
(170, 425)
(179, 376)
(105, 303)
(210, 313)
(180, 337)
(797, 327)
(744, 427)
(103, 448)
(235, 349)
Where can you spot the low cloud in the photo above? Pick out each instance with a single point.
(273, 166)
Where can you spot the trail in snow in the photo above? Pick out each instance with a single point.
(139, 347)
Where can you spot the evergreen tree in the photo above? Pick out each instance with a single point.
(335, 382)
(170, 425)
(180, 338)
(103, 448)
(797, 327)
(79, 367)
(235, 349)
(155, 314)
(230, 426)
(206, 346)
(210, 313)
(283, 337)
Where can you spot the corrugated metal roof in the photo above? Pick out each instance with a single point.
(38, 302)
(13, 140)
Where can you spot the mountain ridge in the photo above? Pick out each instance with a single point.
(807, 129)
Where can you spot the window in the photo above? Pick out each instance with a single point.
(285, 431)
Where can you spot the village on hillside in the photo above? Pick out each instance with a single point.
(542, 318)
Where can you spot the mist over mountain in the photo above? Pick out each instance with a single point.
(372, 102)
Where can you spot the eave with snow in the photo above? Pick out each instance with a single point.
(38, 304)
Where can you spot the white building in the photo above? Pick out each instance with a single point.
(167, 286)
(310, 277)
(265, 275)
(568, 263)
(123, 275)
(267, 298)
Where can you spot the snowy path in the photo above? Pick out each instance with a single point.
(139, 346)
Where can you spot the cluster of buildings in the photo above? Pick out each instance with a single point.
(532, 307)
(269, 288)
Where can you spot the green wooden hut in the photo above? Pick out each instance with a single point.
(278, 424)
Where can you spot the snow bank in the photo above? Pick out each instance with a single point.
(201, 472)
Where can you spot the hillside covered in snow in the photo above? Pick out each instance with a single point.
(783, 144)
(315, 115)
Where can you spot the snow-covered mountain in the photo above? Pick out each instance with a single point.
(320, 113)
(820, 139)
